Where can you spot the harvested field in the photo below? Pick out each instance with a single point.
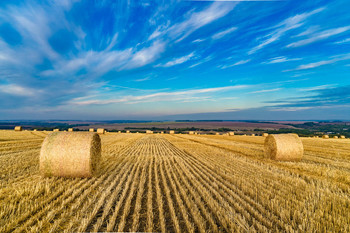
(178, 183)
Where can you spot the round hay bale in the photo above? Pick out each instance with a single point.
(231, 133)
(190, 132)
(35, 130)
(325, 136)
(217, 133)
(253, 135)
(128, 131)
(285, 147)
(149, 131)
(70, 154)
(101, 131)
(70, 130)
(18, 128)
(91, 130)
(335, 137)
(56, 130)
(342, 136)
(172, 132)
(265, 134)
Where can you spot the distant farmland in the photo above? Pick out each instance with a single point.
(178, 183)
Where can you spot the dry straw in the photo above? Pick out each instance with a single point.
(342, 136)
(253, 134)
(149, 131)
(70, 130)
(286, 147)
(325, 136)
(128, 131)
(69, 154)
(172, 132)
(231, 133)
(56, 130)
(18, 128)
(190, 132)
(217, 134)
(265, 134)
(91, 130)
(101, 131)
(35, 130)
(335, 137)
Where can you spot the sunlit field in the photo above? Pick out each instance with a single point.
(178, 183)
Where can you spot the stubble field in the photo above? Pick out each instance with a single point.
(178, 183)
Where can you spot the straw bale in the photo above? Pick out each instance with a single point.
(172, 132)
(217, 134)
(68, 154)
(231, 133)
(91, 130)
(342, 136)
(18, 128)
(101, 131)
(56, 130)
(253, 134)
(190, 132)
(285, 147)
(335, 137)
(265, 134)
(70, 130)
(325, 136)
(149, 131)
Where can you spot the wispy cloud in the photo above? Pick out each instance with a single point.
(343, 41)
(319, 36)
(196, 20)
(221, 34)
(322, 63)
(160, 96)
(241, 62)
(281, 60)
(283, 27)
(16, 90)
(266, 90)
(177, 61)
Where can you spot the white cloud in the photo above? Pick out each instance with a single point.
(281, 60)
(198, 40)
(194, 21)
(343, 41)
(319, 36)
(335, 59)
(235, 64)
(146, 55)
(283, 27)
(267, 90)
(223, 33)
(309, 31)
(177, 61)
(13, 89)
(160, 96)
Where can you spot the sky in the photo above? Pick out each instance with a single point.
(175, 59)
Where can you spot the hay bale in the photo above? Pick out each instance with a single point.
(253, 134)
(172, 132)
(149, 131)
(335, 137)
(119, 131)
(286, 147)
(18, 128)
(35, 130)
(161, 132)
(265, 134)
(325, 136)
(101, 131)
(217, 133)
(231, 133)
(342, 137)
(91, 130)
(190, 132)
(70, 130)
(69, 154)
(56, 130)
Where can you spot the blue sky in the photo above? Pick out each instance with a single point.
(267, 60)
